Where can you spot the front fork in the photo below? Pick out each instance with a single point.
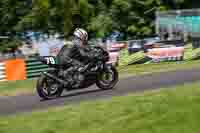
(107, 66)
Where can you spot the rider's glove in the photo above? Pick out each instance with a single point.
(76, 63)
(81, 69)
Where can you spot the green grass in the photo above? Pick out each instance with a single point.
(174, 110)
(126, 59)
(12, 88)
(191, 53)
(141, 69)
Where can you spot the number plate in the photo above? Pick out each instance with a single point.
(50, 60)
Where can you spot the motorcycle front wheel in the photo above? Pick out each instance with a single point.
(47, 88)
(108, 79)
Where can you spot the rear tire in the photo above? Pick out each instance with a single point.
(41, 82)
(106, 86)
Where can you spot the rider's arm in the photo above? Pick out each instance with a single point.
(87, 53)
(64, 57)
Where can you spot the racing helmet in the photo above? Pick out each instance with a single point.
(81, 34)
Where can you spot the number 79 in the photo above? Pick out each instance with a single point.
(50, 60)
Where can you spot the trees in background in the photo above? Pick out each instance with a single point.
(132, 18)
(12, 13)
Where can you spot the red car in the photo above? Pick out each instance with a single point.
(114, 56)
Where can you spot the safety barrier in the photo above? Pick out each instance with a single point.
(2, 71)
(34, 68)
(15, 69)
(21, 69)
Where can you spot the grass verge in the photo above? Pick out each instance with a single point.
(174, 110)
(141, 69)
(13, 88)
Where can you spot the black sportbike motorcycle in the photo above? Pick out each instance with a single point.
(51, 83)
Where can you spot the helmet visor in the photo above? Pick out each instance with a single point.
(76, 41)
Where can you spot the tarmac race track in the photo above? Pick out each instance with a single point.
(29, 103)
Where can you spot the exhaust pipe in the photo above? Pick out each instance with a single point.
(55, 78)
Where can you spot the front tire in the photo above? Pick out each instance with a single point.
(44, 88)
(108, 84)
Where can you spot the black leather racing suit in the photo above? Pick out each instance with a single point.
(74, 55)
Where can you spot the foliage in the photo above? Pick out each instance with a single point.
(132, 18)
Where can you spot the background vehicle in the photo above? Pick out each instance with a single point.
(134, 46)
(114, 56)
